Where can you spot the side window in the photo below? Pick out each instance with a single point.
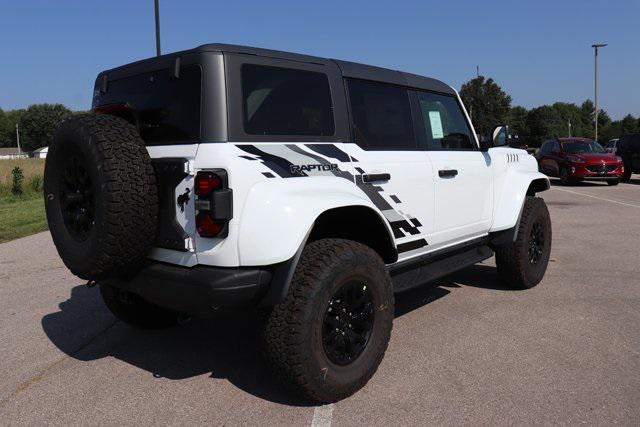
(445, 127)
(282, 101)
(546, 147)
(381, 115)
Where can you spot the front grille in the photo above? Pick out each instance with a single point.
(602, 168)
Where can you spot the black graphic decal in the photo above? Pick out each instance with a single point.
(330, 150)
(395, 198)
(280, 166)
(410, 246)
(268, 174)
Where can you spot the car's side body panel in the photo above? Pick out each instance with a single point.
(282, 184)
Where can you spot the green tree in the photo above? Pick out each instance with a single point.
(628, 124)
(39, 122)
(487, 103)
(5, 132)
(588, 119)
(518, 122)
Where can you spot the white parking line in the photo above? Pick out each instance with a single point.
(596, 197)
(322, 416)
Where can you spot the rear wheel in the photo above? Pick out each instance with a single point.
(135, 311)
(327, 338)
(522, 264)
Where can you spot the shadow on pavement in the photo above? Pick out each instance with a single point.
(224, 348)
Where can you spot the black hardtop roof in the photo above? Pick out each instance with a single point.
(348, 69)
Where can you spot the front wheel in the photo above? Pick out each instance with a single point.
(627, 173)
(522, 263)
(327, 338)
(565, 179)
(613, 182)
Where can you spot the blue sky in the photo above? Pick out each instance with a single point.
(538, 51)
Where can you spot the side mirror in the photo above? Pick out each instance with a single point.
(500, 136)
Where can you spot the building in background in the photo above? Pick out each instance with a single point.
(12, 153)
(40, 153)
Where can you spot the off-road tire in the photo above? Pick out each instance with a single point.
(513, 260)
(292, 336)
(122, 185)
(135, 311)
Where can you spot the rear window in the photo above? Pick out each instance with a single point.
(282, 101)
(165, 109)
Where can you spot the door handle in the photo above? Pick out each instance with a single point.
(443, 173)
(373, 177)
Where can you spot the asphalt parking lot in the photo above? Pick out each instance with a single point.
(464, 350)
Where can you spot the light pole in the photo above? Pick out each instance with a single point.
(595, 47)
(157, 11)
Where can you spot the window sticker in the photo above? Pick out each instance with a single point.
(436, 125)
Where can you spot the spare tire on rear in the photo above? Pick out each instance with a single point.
(100, 196)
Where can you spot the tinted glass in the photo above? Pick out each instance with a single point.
(582, 147)
(282, 101)
(545, 148)
(381, 116)
(445, 126)
(165, 109)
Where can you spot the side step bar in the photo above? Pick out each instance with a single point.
(414, 273)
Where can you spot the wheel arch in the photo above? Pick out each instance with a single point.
(352, 222)
(358, 223)
(511, 194)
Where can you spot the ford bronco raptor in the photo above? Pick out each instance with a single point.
(227, 177)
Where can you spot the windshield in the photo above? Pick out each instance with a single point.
(582, 147)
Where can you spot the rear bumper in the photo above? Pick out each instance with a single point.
(200, 290)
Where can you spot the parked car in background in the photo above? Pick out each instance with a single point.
(628, 149)
(610, 146)
(576, 159)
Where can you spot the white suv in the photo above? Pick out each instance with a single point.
(227, 177)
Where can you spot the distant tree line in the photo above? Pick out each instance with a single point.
(489, 105)
(36, 125)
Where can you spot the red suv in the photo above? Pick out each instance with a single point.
(575, 159)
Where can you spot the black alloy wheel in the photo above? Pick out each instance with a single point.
(348, 323)
(536, 243)
(77, 199)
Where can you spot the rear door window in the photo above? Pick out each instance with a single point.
(444, 124)
(165, 109)
(381, 115)
(283, 101)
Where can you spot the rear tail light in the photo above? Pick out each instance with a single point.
(206, 183)
(207, 226)
(213, 203)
